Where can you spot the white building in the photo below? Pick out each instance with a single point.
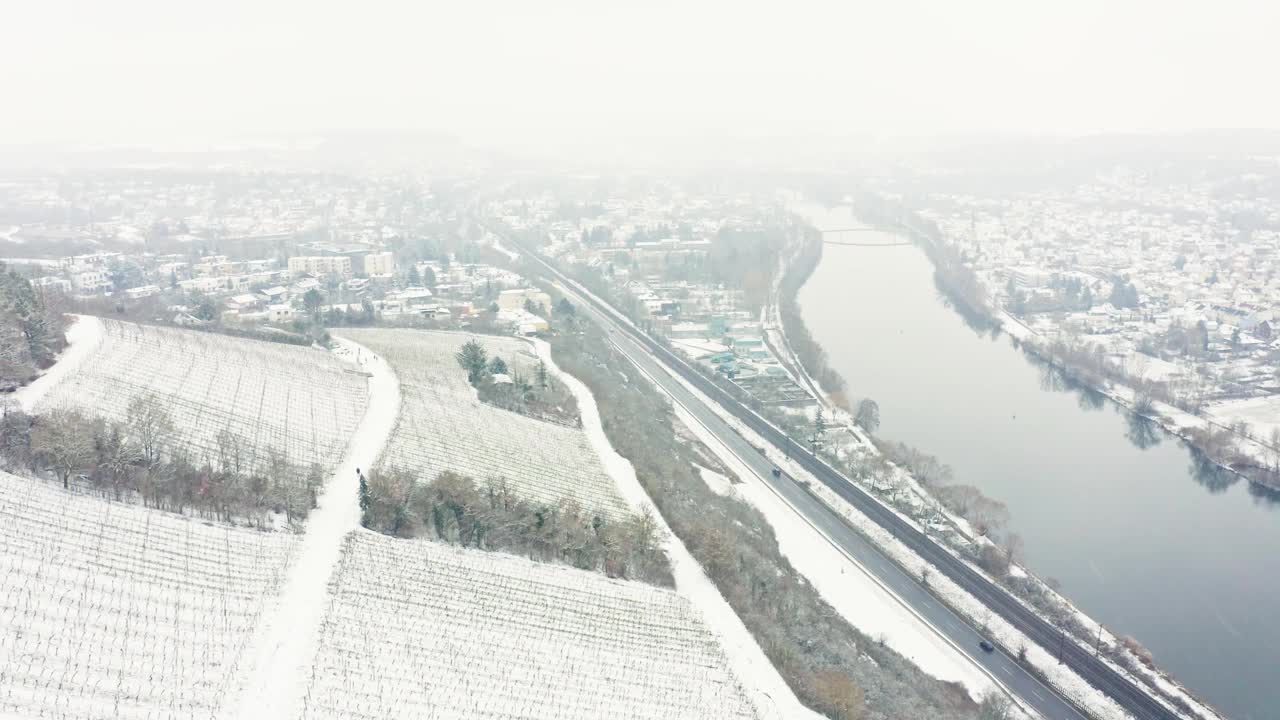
(515, 299)
(320, 265)
(91, 280)
(383, 263)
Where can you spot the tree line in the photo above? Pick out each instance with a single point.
(454, 508)
(143, 459)
(807, 350)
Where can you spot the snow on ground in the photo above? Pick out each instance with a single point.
(699, 348)
(1262, 413)
(497, 245)
(770, 694)
(418, 628)
(719, 484)
(112, 610)
(84, 338)
(444, 426)
(286, 643)
(298, 401)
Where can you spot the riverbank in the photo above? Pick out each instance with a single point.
(1191, 428)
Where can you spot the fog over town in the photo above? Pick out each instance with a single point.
(863, 361)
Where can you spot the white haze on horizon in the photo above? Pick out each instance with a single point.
(510, 72)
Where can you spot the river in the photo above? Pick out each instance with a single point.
(1141, 535)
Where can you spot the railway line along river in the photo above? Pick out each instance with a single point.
(1141, 533)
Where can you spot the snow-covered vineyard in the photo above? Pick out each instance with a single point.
(456, 633)
(444, 426)
(109, 610)
(298, 401)
(113, 610)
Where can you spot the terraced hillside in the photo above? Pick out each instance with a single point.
(444, 426)
(110, 610)
(298, 401)
(460, 633)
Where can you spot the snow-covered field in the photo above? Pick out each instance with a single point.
(460, 633)
(298, 401)
(1262, 414)
(444, 426)
(110, 610)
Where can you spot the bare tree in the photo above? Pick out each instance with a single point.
(868, 415)
(1275, 448)
(839, 695)
(230, 452)
(994, 706)
(1013, 546)
(150, 425)
(117, 458)
(62, 442)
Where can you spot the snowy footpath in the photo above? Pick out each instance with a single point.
(769, 693)
(278, 664)
(84, 338)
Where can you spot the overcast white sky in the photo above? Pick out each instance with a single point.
(163, 70)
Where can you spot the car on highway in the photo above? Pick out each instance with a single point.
(987, 646)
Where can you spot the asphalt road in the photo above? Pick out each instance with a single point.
(661, 365)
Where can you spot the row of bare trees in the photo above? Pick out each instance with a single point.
(456, 509)
(142, 459)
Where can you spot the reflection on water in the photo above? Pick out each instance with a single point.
(1209, 474)
(1143, 433)
(1052, 379)
(1266, 496)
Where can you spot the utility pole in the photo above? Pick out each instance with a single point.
(1062, 643)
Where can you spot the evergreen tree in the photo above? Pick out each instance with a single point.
(542, 374)
(497, 366)
(473, 358)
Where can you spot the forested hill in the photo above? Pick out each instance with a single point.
(31, 330)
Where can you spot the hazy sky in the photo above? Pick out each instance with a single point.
(144, 70)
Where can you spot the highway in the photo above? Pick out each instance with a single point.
(662, 366)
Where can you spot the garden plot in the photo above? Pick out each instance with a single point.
(297, 401)
(451, 632)
(444, 426)
(109, 610)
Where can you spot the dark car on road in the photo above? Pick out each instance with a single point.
(987, 646)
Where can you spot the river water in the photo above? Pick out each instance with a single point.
(1140, 534)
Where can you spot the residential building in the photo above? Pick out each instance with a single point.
(320, 265)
